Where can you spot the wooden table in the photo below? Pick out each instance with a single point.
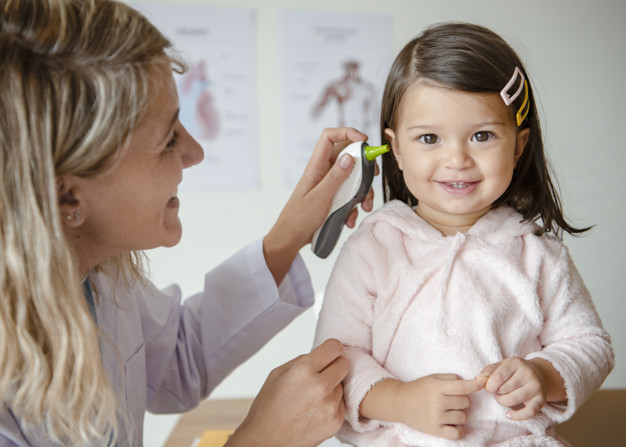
(601, 421)
(209, 415)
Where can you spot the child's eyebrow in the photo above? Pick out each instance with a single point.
(492, 123)
(436, 126)
(423, 127)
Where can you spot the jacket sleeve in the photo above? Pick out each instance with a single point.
(573, 338)
(191, 348)
(347, 315)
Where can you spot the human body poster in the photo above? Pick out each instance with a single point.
(333, 69)
(218, 92)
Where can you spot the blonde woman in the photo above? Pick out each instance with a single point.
(92, 152)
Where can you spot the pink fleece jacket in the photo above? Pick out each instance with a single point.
(408, 302)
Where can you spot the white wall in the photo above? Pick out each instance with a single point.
(574, 51)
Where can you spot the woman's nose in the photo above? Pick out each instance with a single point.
(191, 151)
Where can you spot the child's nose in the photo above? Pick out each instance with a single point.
(457, 156)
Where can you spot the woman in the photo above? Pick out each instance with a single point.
(92, 152)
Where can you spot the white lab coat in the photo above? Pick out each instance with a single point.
(174, 354)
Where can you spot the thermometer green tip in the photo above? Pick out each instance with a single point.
(371, 152)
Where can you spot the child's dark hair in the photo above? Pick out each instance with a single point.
(472, 58)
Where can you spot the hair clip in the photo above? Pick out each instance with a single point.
(525, 107)
(508, 99)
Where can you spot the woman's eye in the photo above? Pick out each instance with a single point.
(173, 140)
(482, 136)
(429, 138)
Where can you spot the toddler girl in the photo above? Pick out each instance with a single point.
(462, 314)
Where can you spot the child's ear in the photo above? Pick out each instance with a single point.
(520, 144)
(69, 203)
(391, 136)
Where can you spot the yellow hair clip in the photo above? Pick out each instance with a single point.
(523, 110)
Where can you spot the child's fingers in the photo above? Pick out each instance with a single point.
(530, 408)
(480, 381)
(528, 392)
(453, 432)
(499, 376)
(513, 374)
(514, 398)
(460, 387)
(488, 370)
(521, 385)
(452, 403)
(454, 417)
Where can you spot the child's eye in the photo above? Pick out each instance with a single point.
(482, 136)
(429, 138)
(173, 140)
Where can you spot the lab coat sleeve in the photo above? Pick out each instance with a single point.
(191, 348)
(347, 315)
(11, 434)
(573, 338)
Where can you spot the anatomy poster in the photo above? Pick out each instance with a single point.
(218, 92)
(333, 70)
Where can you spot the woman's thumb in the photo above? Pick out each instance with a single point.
(338, 173)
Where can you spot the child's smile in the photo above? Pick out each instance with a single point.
(459, 187)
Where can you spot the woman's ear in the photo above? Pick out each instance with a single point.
(69, 203)
(520, 144)
(391, 136)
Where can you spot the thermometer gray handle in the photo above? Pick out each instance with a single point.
(331, 229)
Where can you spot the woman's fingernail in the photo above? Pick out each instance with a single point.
(345, 161)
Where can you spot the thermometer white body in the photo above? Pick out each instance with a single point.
(352, 191)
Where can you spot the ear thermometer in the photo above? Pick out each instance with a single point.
(351, 192)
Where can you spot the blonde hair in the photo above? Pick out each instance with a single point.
(75, 78)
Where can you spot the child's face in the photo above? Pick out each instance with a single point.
(457, 152)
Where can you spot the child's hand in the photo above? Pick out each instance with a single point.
(437, 404)
(434, 404)
(518, 384)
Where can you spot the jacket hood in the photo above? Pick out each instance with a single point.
(498, 225)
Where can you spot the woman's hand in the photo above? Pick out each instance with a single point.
(310, 201)
(300, 404)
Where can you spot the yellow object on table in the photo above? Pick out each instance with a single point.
(214, 438)
(213, 416)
